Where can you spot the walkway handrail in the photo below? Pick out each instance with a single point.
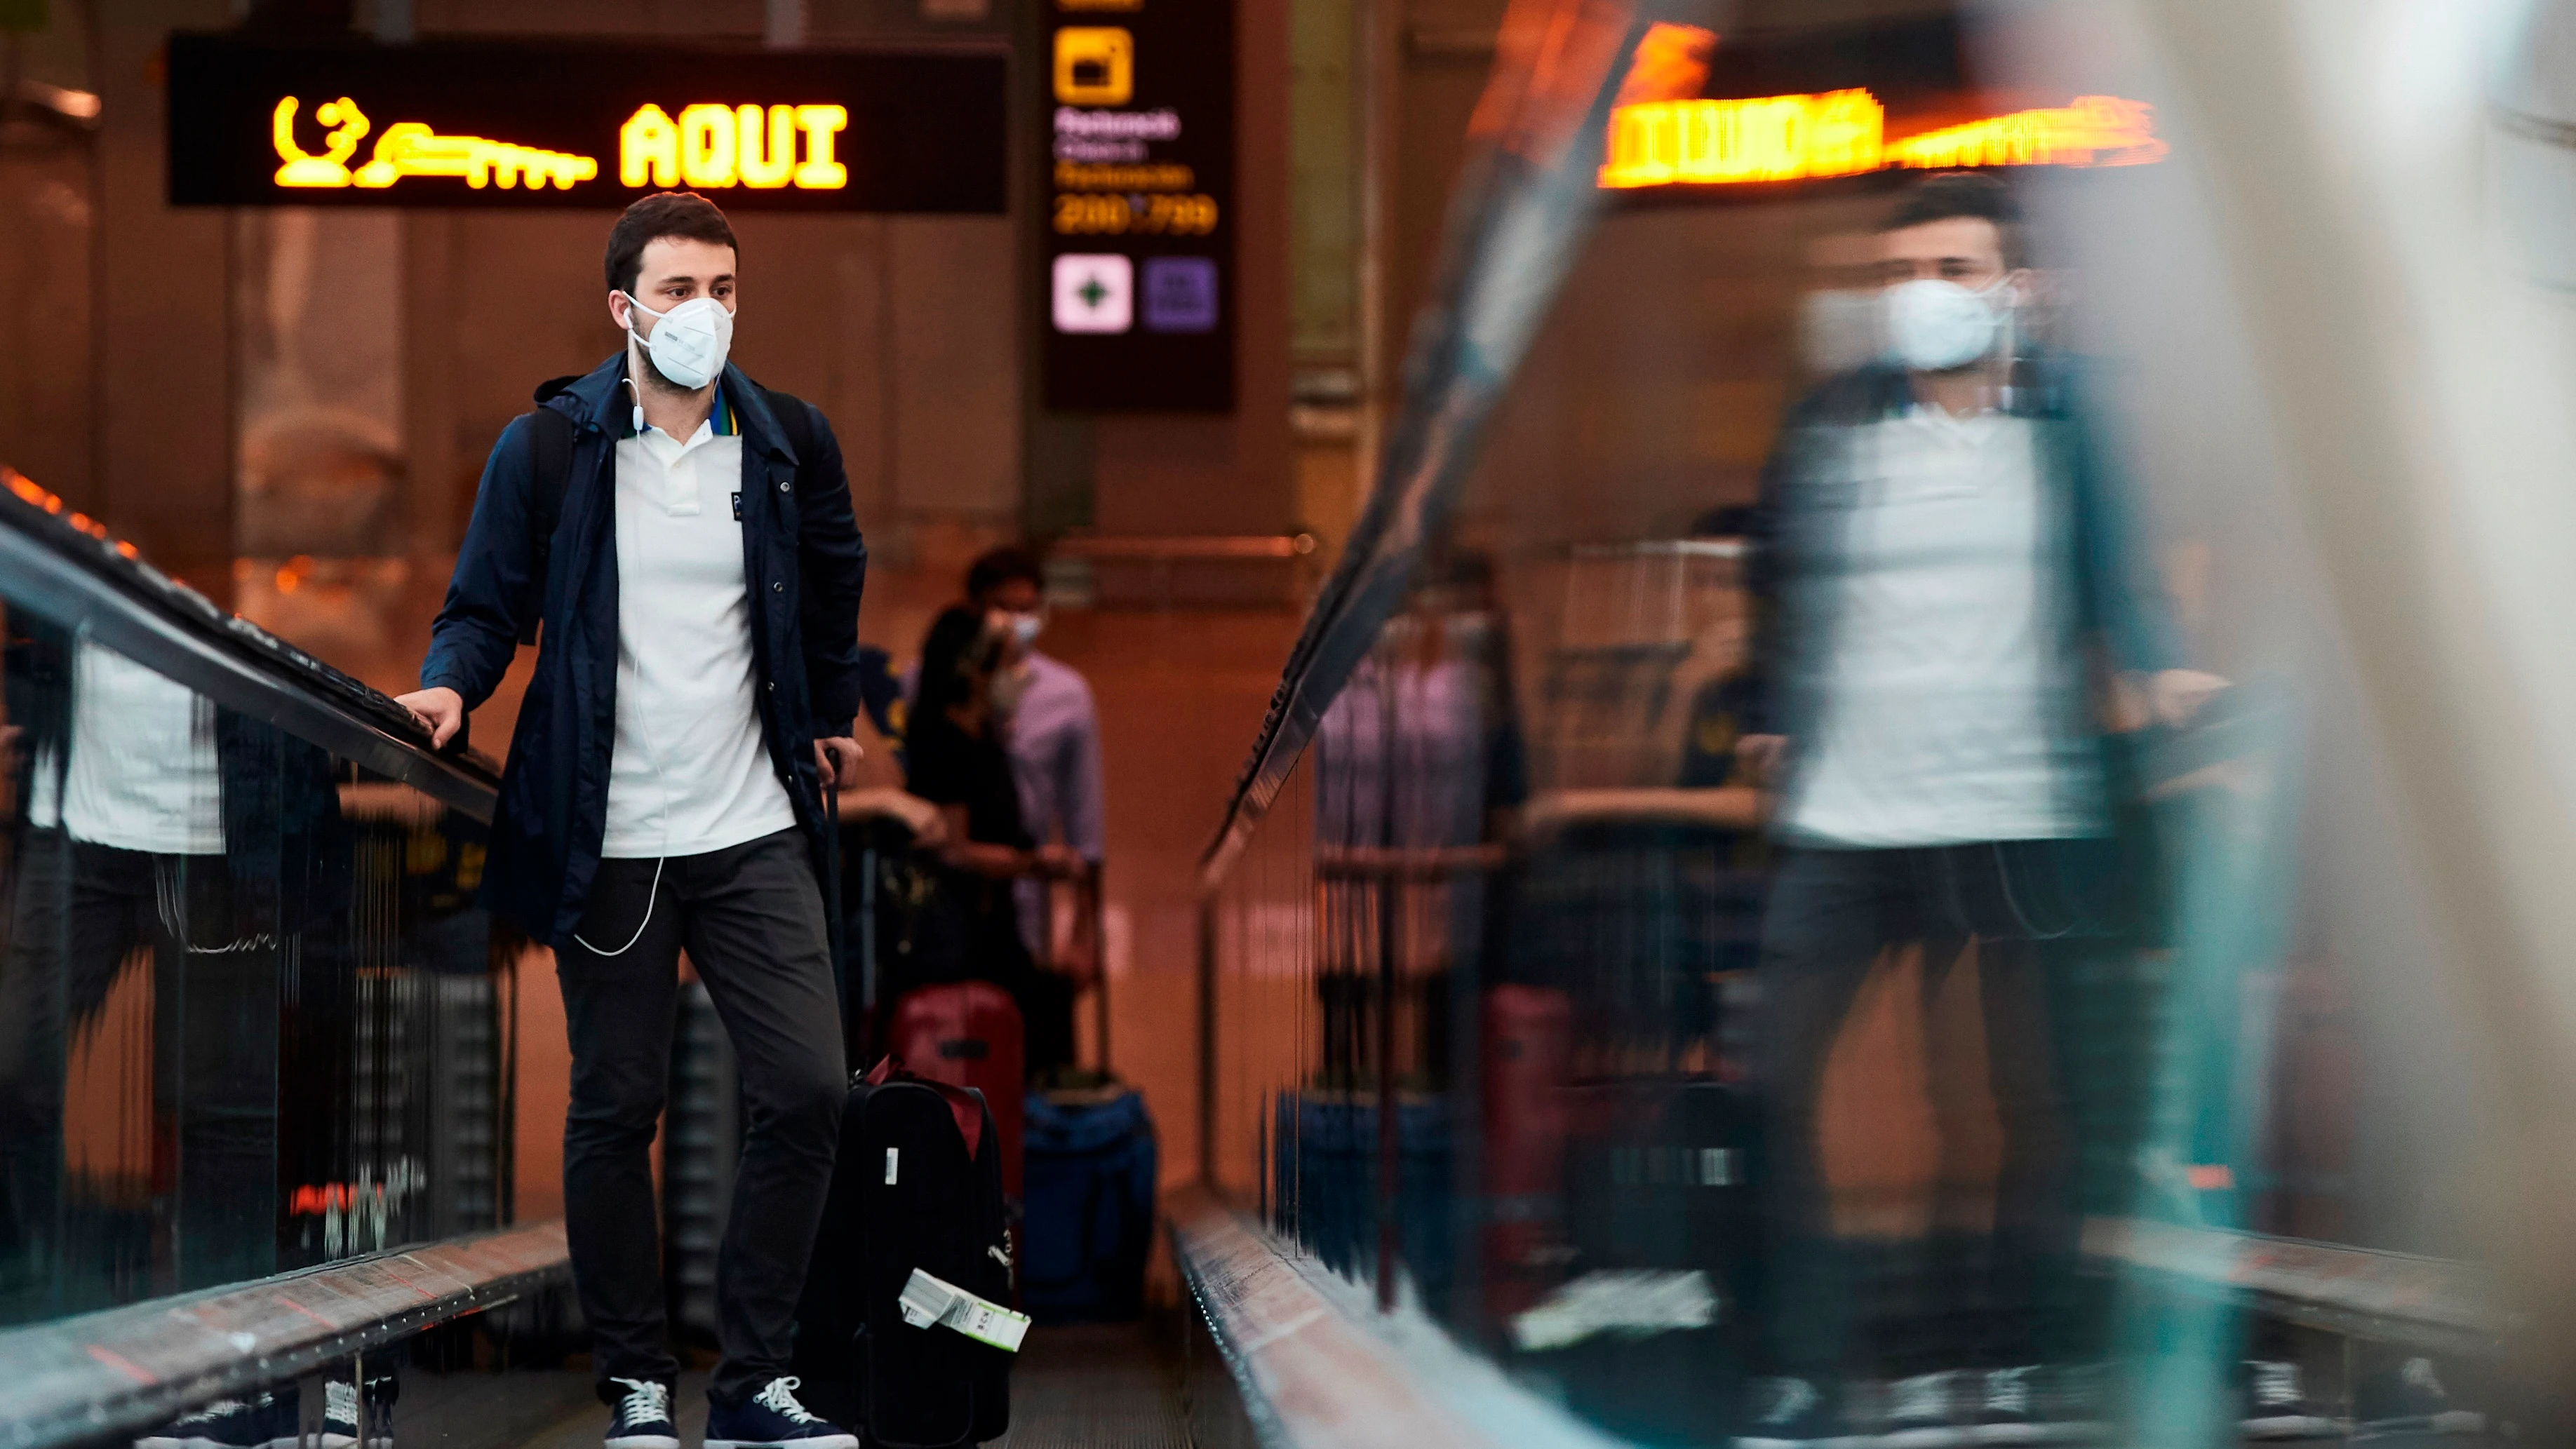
(65, 567)
(2439, 1304)
(125, 1369)
(1525, 201)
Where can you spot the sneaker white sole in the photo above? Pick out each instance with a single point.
(642, 1441)
(819, 1441)
(2063, 1431)
(2449, 1422)
(2289, 1426)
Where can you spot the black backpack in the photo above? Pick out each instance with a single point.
(917, 1185)
(553, 437)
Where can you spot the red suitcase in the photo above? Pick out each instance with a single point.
(1528, 1068)
(968, 1035)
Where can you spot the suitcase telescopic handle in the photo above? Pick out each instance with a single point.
(1090, 905)
(832, 899)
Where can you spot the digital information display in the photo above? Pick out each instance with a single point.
(265, 121)
(1138, 290)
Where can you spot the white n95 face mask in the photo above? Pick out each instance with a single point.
(689, 342)
(1933, 325)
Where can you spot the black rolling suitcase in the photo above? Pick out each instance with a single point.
(1661, 1176)
(903, 1334)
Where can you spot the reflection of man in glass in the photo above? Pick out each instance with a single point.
(1941, 556)
(126, 800)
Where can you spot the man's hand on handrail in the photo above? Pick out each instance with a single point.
(439, 710)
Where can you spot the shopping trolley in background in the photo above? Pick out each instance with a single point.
(1633, 637)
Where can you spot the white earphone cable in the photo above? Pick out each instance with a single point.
(649, 897)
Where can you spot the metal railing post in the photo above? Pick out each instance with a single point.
(1207, 1041)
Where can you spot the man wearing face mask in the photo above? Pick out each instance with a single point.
(1939, 554)
(679, 543)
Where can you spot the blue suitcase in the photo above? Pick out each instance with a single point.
(1087, 1225)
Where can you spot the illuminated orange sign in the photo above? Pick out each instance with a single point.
(716, 146)
(1775, 138)
(255, 118)
(708, 146)
(1841, 133)
(2088, 131)
(408, 148)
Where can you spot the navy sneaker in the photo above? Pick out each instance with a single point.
(262, 1421)
(643, 1417)
(771, 1419)
(1793, 1414)
(339, 1414)
(1925, 1412)
(2011, 1412)
(2277, 1406)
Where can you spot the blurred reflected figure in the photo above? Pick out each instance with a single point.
(1940, 554)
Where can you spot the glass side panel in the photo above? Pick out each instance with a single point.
(1886, 840)
(248, 1016)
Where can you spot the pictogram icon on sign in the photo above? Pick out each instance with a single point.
(1094, 292)
(1095, 65)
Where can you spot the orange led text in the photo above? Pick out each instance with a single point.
(2087, 131)
(1842, 133)
(713, 146)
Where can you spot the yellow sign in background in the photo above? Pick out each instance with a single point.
(1095, 65)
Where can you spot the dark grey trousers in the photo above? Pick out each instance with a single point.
(1946, 1302)
(751, 918)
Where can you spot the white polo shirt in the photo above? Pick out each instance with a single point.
(1953, 697)
(144, 773)
(689, 772)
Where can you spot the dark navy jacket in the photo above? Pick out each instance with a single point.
(804, 566)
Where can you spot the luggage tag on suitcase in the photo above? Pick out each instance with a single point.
(929, 1301)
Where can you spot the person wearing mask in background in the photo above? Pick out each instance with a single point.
(696, 683)
(954, 758)
(1051, 728)
(1938, 552)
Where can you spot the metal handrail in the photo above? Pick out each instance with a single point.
(82, 1379)
(2440, 1304)
(65, 567)
(1189, 548)
(1415, 863)
(1707, 548)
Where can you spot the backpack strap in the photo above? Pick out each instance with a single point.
(552, 434)
(795, 420)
